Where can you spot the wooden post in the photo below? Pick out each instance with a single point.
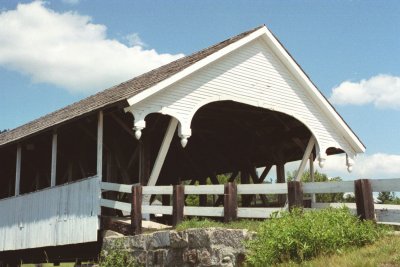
(230, 202)
(312, 176)
(178, 203)
(364, 199)
(53, 160)
(100, 145)
(136, 210)
(144, 161)
(280, 178)
(295, 194)
(18, 170)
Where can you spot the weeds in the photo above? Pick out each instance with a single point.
(299, 236)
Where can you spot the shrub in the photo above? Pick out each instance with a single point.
(300, 236)
(117, 256)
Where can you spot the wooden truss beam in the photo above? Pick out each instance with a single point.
(306, 156)
(162, 154)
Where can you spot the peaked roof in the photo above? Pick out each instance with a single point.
(116, 94)
(143, 86)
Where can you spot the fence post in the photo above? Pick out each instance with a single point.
(295, 194)
(230, 202)
(364, 199)
(136, 210)
(178, 203)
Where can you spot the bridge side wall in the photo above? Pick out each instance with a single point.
(61, 215)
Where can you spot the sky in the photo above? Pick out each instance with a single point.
(53, 53)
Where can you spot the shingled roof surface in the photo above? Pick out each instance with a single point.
(115, 94)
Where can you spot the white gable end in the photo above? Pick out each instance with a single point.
(253, 75)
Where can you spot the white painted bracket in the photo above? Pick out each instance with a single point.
(184, 133)
(138, 127)
(349, 162)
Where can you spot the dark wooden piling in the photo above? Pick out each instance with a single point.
(295, 194)
(178, 204)
(136, 210)
(364, 199)
(230, 202)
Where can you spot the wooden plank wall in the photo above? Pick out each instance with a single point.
(62, 215)
(252, 75)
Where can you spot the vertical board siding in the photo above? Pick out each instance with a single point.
(62, 215)
(253, 75)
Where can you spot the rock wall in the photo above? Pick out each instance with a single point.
(192, 247)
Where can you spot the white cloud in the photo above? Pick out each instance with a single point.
(134, 39)
(68, 50)
(379, 165)
(383, 91)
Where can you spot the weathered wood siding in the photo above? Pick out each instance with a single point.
(66, 214)
(251, 75)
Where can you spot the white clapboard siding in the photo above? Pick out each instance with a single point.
(252, 75)
(328, 187)
(61, 215)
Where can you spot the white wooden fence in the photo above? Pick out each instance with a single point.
(384, 213)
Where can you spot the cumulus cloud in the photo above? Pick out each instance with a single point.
(69, 50)
(134, 40)
(379, 165)
(383, 91)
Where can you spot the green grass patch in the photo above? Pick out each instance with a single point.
(384, 252)
(300, 236)
(251, 225)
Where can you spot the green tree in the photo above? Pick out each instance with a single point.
(3, 131)
(386, 197)
(319, 177)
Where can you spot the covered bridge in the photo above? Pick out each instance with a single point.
(239, 105)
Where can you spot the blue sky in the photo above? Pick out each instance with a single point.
(350, 49)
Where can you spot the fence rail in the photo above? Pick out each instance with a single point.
(362, 188)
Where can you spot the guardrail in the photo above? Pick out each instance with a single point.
(295, 190)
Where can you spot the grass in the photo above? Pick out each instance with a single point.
(50, 265)
(251, 225)
(300, 236)
(382, 253)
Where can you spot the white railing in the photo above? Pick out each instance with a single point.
(384, 213)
